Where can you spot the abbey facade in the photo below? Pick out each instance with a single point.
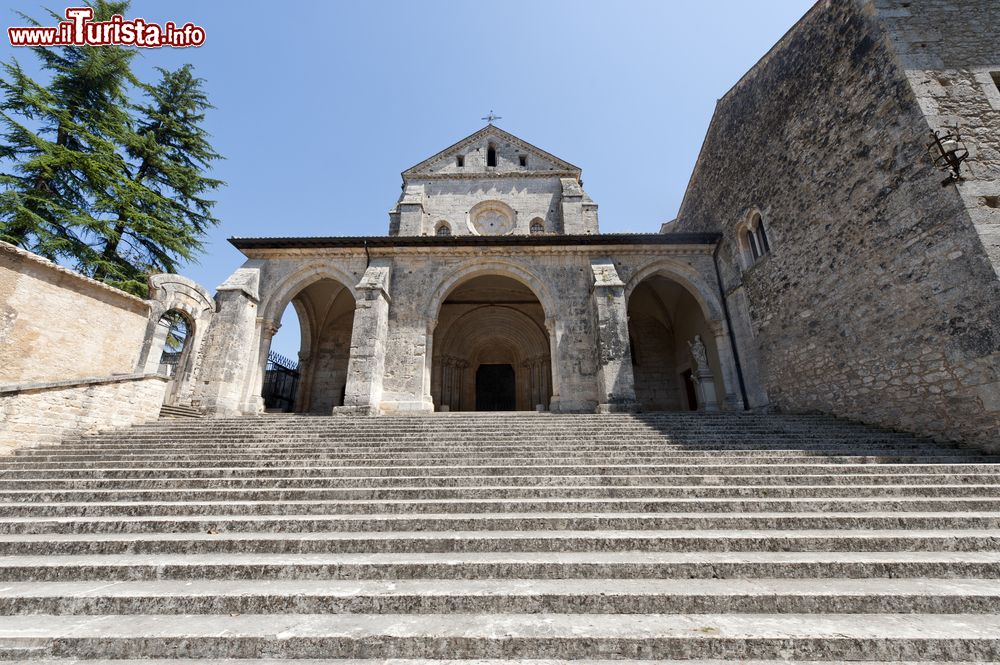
(837, 251)
(494, 289)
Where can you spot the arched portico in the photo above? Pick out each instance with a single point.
(491, 347)
(669, 305)
(324, 302)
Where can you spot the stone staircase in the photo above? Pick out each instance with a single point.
(509, 537)
(180, 411)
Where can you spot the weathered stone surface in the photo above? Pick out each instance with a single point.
(879, 299)
(56, 324)
(525, 186)
(37, 413)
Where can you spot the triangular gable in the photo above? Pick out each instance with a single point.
(543, 161)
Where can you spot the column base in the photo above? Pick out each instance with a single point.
(402, 406)
(618, 407)
(356, 411)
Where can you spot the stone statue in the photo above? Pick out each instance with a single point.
(698, 353)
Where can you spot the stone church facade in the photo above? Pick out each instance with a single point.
(494, 289)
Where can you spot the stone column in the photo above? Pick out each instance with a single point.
(546, 381)
(616, 384)
(366, 366)
(229, 350)
(254, 401)
(303, 391)
(463, 366)
(447, 381)
(727, 362)
(536, 382)
(554, 329)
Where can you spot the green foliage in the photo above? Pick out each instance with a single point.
(101, 170)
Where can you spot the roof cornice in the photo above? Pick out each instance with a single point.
(445, 242)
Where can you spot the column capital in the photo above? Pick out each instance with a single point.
(269, 327)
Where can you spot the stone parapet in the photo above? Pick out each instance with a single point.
(38, 413)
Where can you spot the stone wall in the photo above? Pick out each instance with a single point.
(530, 198)
(34, 414)
(878, 300)
(950, 53)
(56, 324)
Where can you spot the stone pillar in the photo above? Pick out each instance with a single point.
(366, 366)
(616, 384)
(303, 391)
(554, 329)
(229, 350)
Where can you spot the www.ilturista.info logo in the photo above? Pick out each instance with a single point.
(80, 30)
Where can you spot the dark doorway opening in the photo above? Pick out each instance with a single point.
(692, 395)
(495, 388)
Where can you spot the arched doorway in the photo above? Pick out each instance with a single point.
(491, 348)
(663, 320)
(174, 332)
(325, 314)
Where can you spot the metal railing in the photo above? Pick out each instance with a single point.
(281, 379)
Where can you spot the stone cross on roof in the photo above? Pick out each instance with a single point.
(491, 117)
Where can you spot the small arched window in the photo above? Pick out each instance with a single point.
(442, 229)
(753, 240)
(491, 155)
(537, 226)
(460, 161)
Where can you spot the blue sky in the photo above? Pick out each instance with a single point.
(321, 104)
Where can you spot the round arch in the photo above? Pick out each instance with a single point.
(687, 277)
(488, 345)
(495, 318)
(324, 340)
(473, 268)
(715, 334)
(281, 293)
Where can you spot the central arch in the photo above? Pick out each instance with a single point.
(491, 348)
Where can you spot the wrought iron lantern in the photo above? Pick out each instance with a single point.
(948, 152)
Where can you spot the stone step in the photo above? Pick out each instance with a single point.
(561, 565)
(947, 637)
(515, 464)
(702, 540)
(613, 490)
(944, 504)
(322, 479)
(811, 467)
(451, 661)
(514, 459)
(480, 522)
(180, 411)
(524, 596)
(513, 452)
(312, 490)
(502, 430)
